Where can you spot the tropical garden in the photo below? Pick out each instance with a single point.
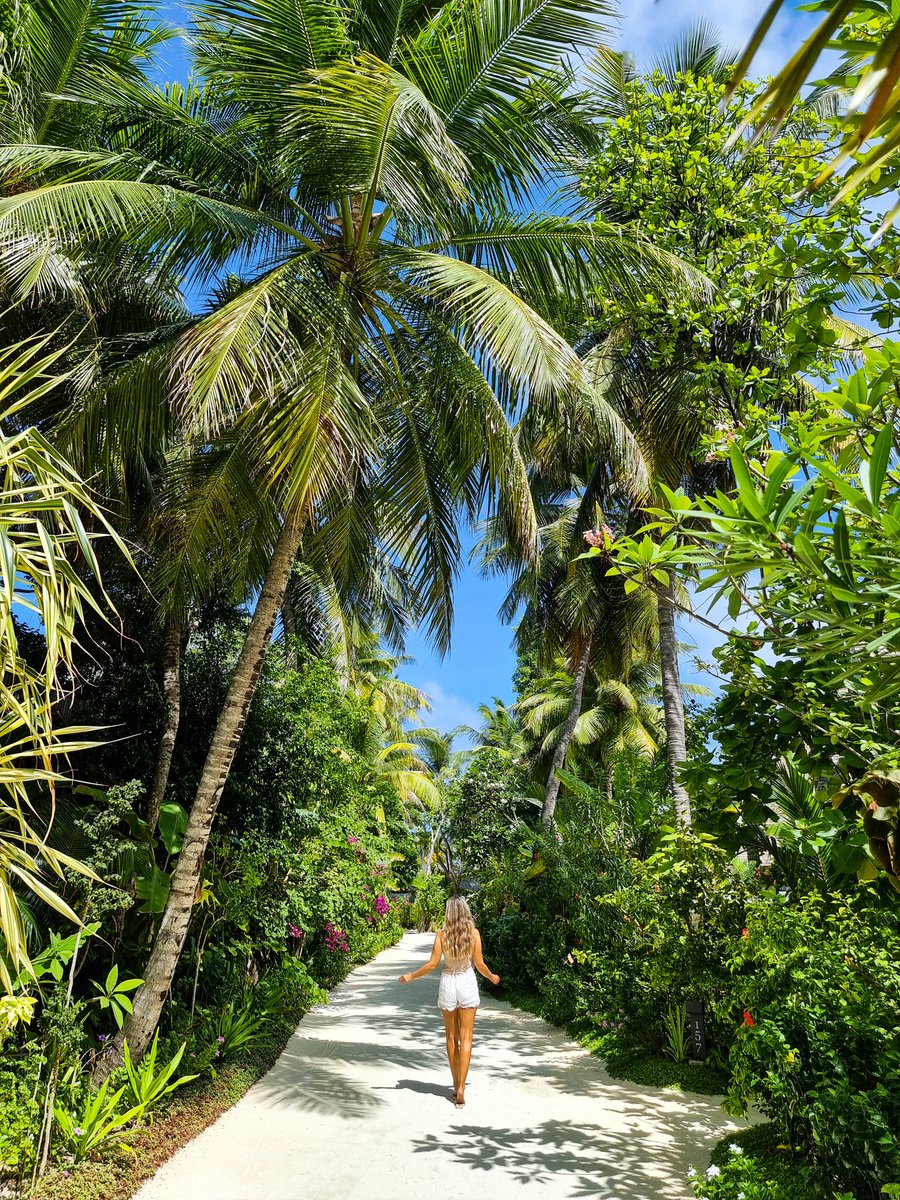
(277, 339)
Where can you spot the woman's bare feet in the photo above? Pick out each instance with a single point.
(459, 1097)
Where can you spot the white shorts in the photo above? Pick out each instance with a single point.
(458, 991)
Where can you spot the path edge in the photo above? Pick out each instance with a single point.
(120, 1175)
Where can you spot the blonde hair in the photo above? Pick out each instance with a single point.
(459, 929)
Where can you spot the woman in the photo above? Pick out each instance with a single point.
(460, 943)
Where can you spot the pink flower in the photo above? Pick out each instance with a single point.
(601, 538)
(352, 841)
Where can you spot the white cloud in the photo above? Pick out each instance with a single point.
(447, 710)
(649, 26)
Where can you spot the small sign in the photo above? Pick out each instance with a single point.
(697, 1028)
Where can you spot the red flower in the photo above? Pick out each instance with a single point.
(744, 932)
(748, 1019)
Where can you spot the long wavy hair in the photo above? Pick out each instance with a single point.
(459, 929)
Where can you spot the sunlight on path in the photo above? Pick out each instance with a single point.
(358, 1108)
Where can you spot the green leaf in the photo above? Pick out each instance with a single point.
(807, 553)
(749, 495)
(172, 824)
(842, 548)
(878, 463)
(536, 868)
(153, 889)
(858, 388)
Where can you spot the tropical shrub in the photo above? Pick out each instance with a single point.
(754, 1164)
(817, 1051)
(488, 804)
(429, 896)
(20, 1110)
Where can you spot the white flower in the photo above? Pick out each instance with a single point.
(741, 1196)
(735, 1148)
(712, 1172)
(692, 1173)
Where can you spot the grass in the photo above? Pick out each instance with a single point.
(643, 1067)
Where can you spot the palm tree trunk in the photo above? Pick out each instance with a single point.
(673, 704)
(551, 794)
(289, 625)
(172, 694)
(186, 878)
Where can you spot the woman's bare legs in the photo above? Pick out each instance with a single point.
(452, 1031)
(466, 1026)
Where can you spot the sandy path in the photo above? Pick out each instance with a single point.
(357, 1108)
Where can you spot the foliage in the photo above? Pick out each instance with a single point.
(429, 897)
(825, 591)
(88, 1118)
(753, 1165)
(149, 1086)
(878, 794)
(678, 1041)
(821, 981)
(865, 35)
(781, 263)
(49, 518)
(488, 805)
(112, 994)
(20, 1110)
(537, 913)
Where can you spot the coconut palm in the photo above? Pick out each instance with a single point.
(350, 168)
(576, 617)
(500, 729)
(616, 715)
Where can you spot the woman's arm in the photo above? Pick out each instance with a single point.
(480, 965)
(429, 966)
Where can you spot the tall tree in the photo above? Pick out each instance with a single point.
(359, 175)
(685, 378)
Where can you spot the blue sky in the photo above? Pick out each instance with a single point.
(480, 663)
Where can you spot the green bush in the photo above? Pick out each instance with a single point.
(819, 1052)
(20, 1111)
(429, 896)
(753, 1165)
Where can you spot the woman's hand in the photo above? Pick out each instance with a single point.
(406, 978)
(495, 979)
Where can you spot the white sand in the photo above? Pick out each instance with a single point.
(358, 1108)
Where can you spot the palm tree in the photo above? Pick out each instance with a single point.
(573, 610)
(500, 729)
(356, 165)
(616, 716)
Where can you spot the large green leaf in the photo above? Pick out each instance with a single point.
(153, 890)
(173, 821)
